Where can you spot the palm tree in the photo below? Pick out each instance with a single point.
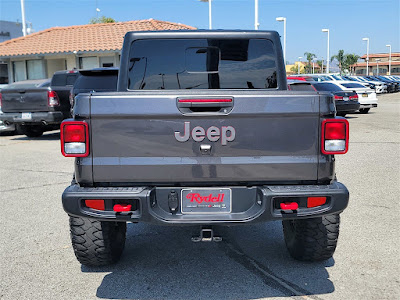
(310, 56)
(350, 60)
(340, 57)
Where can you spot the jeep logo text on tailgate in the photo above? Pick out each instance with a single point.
(213, 133)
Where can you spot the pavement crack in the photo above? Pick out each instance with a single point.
(32, 187)
(265, 274)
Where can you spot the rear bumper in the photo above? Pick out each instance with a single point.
(51, 117)
(249, 204)
(347, 106)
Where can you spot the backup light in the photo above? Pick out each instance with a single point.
(74, 139)
(335, 136)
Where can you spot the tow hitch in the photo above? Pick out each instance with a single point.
(206, 235)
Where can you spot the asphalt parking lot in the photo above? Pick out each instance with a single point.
(37, 260)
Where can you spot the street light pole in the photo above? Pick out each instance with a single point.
(313, 66)
(256, 24)
(367, 39)
(23, 17)
(283, 19)
(377, 66)
(390, 57)
(209, 13)
(327, 53)
(298, 65)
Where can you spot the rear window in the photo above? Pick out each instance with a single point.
(301, 87)
(96, 83)
(202, 64)
(353, 85)
(64, 79)
(327, 87)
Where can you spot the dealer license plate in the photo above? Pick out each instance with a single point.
(26, 116)
(365, 95)
(206, 201)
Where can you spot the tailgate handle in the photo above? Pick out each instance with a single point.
(221, 105)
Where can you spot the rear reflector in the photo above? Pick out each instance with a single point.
(74, 139)
(289, 205)
(335, 136)
(315, 201)
(95, 204)
(122, 207)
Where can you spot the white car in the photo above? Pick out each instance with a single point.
(366, 96)
(380, 87)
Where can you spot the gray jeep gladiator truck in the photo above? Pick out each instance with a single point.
(203, 131)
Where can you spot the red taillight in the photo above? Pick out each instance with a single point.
(74, 133)
(52, 99)
(74, 139)
(315, 201)
(336, 97)
(354, 97)
(95, 204)
(335, 136)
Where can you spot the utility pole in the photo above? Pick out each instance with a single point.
(23, 18)
(367, 39)
(327, 54)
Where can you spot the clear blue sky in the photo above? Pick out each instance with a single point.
(348, 20)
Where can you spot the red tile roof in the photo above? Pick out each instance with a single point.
(373, 55)
(373, 64)
(93, 37)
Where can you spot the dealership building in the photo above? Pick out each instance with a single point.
(39, 55)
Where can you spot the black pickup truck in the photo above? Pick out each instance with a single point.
(36, 106)
(203, 131)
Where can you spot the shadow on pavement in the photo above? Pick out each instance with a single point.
(251, 262)
(47, 136)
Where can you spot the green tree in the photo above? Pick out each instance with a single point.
(101, 19)
(340, 57)
(349, 61)
(309, 56)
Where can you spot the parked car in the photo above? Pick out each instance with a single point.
(37, 106)
(345, 101)
(94, 80)
(300, 77)
(392, 87)
(380, 87)
(177, 147)
(299, 85)
(366, 97)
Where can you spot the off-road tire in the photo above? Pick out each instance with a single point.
(32, 131)
(312, 239)
(97, 243)
(364, 110)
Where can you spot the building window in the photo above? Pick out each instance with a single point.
(35, 69)
(88, 62)
(3, 74)
(107, 61)
(19, 70)
(360, 71)
(395, 70)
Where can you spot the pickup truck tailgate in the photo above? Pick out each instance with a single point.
(262, 138)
